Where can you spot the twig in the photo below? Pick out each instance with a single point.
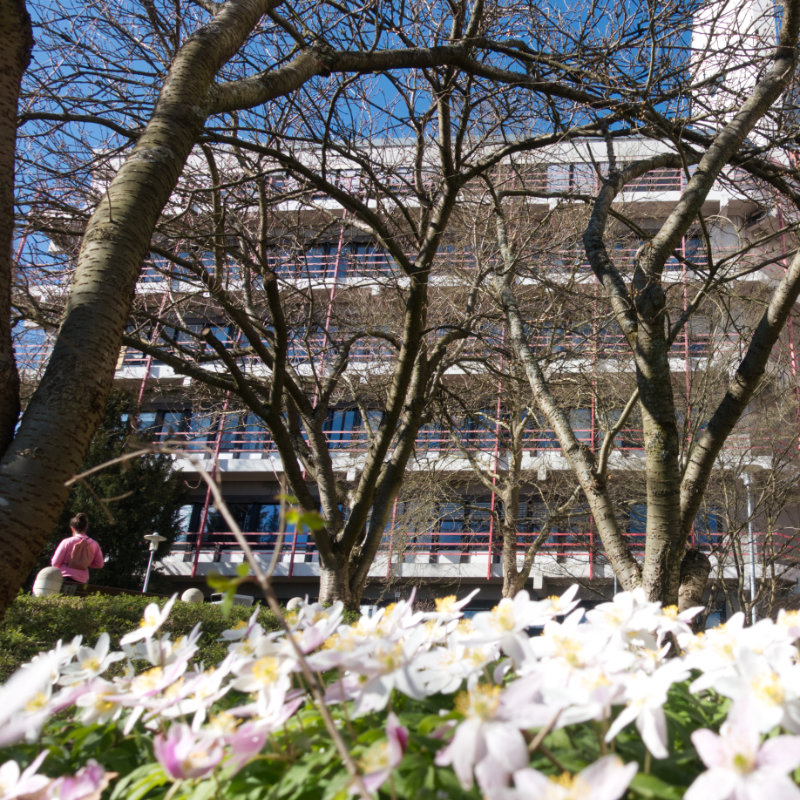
(272, 602)
(537, 740)
(550, 757)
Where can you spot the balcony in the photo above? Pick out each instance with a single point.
(464, 553)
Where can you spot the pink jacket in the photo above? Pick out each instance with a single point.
(61, 558)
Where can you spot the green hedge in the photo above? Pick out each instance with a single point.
(33, 624)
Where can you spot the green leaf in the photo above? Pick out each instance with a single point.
(312, 520)
(649, 786)
(222, 583)
(140, 782)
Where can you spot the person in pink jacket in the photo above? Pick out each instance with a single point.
(77, 553)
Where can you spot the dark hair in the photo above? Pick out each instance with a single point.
(79, 523)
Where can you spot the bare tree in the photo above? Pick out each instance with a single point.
(222, 60)
(638, 296)
(442, 70)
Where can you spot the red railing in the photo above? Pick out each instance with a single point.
(241, 443)
(343, 265)
(561, 344)
(469, 546)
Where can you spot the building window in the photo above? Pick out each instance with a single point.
(342, 427)
(637, 525)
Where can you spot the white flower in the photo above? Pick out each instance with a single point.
(87, 783)
(152, 619)
(444, 669)
(772, 690)
(185, 754)
(25, 699)
(16, 783)
(383, 756)
(90, 662)
(646, 696)
(381, 668)
(99, 703)
(606, 779)
(494, 719)
(507, 622)
(241, 629)
(739, 766)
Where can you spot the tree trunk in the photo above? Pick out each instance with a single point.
(334, 585)
(695, 569)
(512, 579)
(14, 57)
(65, 409)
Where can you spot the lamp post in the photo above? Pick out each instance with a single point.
(751, 548)
(154, 540)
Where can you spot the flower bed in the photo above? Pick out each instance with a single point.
(409, 704)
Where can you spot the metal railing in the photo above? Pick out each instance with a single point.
(466, 547)
(247, 443)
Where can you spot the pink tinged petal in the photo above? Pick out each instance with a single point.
(374, 780)
(507, 747)
(710, 748)
(715, 784)
(652, 725)
(246, 743)
(185, 755)
(398, 739)
(781, 754)
(491, 778)
(463, 752)
(767, 785)
(626, 716)
(164, 750)
(531, 783)
(24, 783)
(88, 783)
(24, 684)
(608, 778)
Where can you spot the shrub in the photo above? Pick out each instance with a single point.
(34, 624)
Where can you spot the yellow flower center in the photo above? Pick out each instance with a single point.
(147, 680)
(376, 758)
(768, 688)
(38, 701)
(224, 722)
(265, 670)
(101, 705)
(577, 788)
(444, 605)
(480, 702)
(390, 658)
(569, 649)
(91, 664)
(503, 615)
(743, 763)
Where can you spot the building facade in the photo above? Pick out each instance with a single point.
(303, 290)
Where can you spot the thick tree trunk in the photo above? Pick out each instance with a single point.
(664, 543)
(512, 580)
(66, 407)
(334, 585)
(14, 57)
(695, 569)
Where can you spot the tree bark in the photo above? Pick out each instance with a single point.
(694, 572)
(334, 585)
(14, 58)
(65, 409)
